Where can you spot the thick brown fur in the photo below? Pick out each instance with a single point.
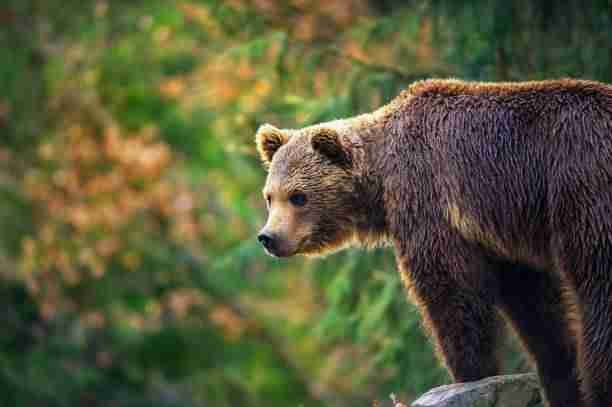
(497, 200)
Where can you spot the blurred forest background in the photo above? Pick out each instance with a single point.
(130, 191)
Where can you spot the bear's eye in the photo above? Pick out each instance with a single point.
(298, 199)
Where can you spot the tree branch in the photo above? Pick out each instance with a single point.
(408, 76)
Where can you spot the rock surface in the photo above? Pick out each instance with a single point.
(498, 391)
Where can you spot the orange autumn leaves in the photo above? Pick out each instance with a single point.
(97, 192)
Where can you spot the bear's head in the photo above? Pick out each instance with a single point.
(311, 190)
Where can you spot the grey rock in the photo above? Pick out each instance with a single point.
(520, 390)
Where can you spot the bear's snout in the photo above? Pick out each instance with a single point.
(266, 240)
(276, 244)
(273, 244)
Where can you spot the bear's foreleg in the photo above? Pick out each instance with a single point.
(457, 308)
(532, 302)
(465, 331)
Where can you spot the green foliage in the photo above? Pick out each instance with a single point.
(130, 191)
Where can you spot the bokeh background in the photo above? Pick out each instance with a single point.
(130, 191)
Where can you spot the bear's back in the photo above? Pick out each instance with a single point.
(455, 87)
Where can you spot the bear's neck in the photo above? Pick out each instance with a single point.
(371, 224)
(384, 182)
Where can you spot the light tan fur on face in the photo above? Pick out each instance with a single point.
(286, 221)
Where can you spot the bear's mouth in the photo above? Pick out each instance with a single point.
(284, 250)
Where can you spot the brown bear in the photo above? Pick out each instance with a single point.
(497, 198)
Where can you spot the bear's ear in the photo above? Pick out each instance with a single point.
(327, 142)
(268, 140)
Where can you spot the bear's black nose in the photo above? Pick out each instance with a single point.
(266, 240)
